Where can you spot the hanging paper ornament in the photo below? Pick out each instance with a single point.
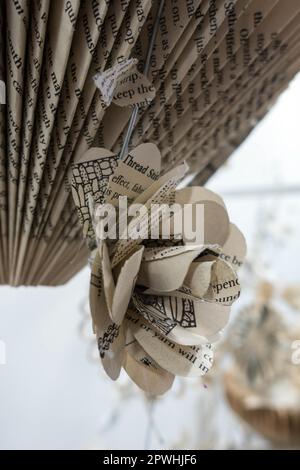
(291, 294)
(157, 304)
(258, 342)
(263, 386)
(275, 415)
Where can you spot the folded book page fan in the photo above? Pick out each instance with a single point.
(216, 67)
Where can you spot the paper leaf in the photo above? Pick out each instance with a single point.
(160, 190)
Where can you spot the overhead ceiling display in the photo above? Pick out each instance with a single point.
(216, 67)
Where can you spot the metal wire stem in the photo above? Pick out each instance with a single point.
(135, 111)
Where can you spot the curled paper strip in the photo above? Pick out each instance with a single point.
(2, 92)
(124, 85)
(157, 303)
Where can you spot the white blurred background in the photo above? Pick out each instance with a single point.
(53, 394)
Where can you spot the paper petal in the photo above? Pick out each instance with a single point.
(110, 336)
(166, 182)
(194, 194)
(198, 278)
(214, 281)
(145, 372)
(118, 296)
(211, 317)
(133, 175)
(235, 247)
(216, 221)
(159, 252)
(90, 178)
(166, 274)
(158, 193)
(185, 361)
(182, 319)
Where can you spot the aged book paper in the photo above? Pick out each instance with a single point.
(157, 304)
(216, 68)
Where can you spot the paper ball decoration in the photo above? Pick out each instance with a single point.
(258, 341)
(157, 305)
(279, 424)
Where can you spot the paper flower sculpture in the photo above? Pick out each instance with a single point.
(159, 304)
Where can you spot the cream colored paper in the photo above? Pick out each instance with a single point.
(113, 20)
(144, 371)
(140, 168)
(61, 28)
(90, 177)
(125, 85)
(209, 95)
(185, 320)
(110, 336)
(214, 281)
(158, 193)
(2, 92)
(179, 360)
(108, 81)
(17, 17)
(118, 295)
(234, 249)
(167, 273)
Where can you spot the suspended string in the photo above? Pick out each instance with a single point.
(135, 111)
(92, 244)
(124, 151)
(151, 427)
(115, 414)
